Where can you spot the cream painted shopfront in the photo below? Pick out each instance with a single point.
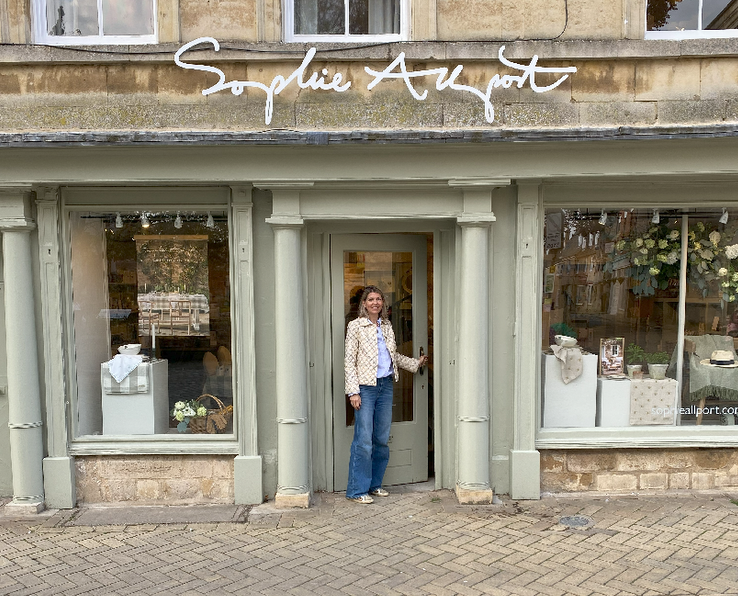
(217, 185)
(267, 266)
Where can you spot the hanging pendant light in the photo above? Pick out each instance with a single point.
(178, 221)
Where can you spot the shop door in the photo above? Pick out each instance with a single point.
(396, 264)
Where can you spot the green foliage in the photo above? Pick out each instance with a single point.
(563, 329)
(657, 358)
(634, 354)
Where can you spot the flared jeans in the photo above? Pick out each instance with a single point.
(370, 449)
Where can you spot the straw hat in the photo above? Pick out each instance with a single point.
(722, 358)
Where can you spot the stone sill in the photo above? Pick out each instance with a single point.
(468, 51)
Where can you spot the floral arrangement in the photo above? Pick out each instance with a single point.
(654, 256)
(710, 259)
(184, 411)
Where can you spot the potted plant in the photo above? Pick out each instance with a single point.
(657, 362)
(634, 356)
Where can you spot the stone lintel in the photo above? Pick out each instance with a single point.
(298, 501)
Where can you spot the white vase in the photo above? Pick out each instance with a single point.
(657, 371)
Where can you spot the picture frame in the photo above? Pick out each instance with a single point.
(612, 356)
(548, 285)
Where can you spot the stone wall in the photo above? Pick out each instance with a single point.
(631, 470)
(146, 479)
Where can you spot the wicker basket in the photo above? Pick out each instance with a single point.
(216, 420)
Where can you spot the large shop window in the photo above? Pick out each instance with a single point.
(151, 323)
(640, 318)
(679, 19)
(85, 22)
(346, 20)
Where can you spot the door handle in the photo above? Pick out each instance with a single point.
(422, 353)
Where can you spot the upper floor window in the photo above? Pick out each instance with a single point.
(346, 20)
(83, 22)
(680, 19)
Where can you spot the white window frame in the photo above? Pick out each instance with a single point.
(698, 33)
(288, 8)
(41, 30)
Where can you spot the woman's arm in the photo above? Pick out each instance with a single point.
(351, 373)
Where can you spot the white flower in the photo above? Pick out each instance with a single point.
(653, 271)
(179, 416)
(636, 261)
(722, 272)
(644, 251)
(663, 244)
(639, 241)
(662, 257)
(202, 411)
(179, 405)
(731, 298)
(731, 251)
(672, 258)
(650, 243)
(674, 234)
(735, 276)
(725, 284)
(715, 237)
(188, 412)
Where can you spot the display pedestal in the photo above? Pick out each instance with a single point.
(573, 405)
(613, 402)
(139, 413)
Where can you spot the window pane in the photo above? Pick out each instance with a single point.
(165, 288)
(672, 15)
(374, 16)
(324, 17)
(611, 281)
(710, 393)
(72, 17)
(129, 17)
(719, 14)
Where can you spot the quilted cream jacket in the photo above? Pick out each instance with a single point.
(362, 354)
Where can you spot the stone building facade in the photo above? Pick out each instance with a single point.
(214, 180)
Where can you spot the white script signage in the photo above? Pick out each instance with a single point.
(323, 81)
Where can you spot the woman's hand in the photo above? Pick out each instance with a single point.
(355, 401)
(423, 360)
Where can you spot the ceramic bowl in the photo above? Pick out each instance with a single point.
(130, 349)
(565, 341)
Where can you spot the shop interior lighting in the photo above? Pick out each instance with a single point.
(145, 223)
(655, 219)
(210, 223)
(118, 221)
(178, 221)
(603, 218)
(724, 217)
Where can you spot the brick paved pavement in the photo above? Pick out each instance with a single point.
(410, 543)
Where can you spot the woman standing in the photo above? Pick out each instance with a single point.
(371, 362)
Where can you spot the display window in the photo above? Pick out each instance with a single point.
(151, 323)
(640, 318)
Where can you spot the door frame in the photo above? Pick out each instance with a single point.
(320, 344)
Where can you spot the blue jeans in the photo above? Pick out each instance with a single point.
(370, 449)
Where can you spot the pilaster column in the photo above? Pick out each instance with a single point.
(247, 466)
(293, 438)
(525, 460)
(24, 393)
(473, 474)
(58, 465)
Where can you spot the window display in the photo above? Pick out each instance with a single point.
(151, 323)
(652, 290)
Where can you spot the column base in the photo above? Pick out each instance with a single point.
(525, 474)
(474, 496)
(247, 480)
(59, 482)
(23, 508)
(299, 501)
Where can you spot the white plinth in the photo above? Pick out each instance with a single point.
(572, 405)
(140, 413)
(613, 402)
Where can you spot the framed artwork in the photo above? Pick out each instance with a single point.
(612, 350)
(548, 284)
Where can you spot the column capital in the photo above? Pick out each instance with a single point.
(285, 221)
(476, 219)
(16, 208)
